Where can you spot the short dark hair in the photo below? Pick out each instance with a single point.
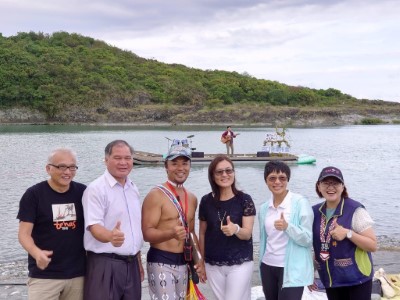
(109, 148)
(211, 170)
(278, 167)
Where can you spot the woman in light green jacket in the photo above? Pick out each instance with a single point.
(286, 264)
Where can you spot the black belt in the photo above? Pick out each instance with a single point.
(126, 258)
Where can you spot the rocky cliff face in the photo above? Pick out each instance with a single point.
(164, 114)
(21, 115)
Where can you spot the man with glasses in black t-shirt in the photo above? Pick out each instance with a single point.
(51, 231)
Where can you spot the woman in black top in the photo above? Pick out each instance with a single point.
(226, 224)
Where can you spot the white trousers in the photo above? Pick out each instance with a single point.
(230, 282)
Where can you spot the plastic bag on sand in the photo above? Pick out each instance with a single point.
(314, 295)
(390, 284)
(257, 293)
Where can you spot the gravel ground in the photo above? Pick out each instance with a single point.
(14, 275)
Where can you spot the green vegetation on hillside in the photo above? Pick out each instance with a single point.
(54, 72)
(371, 121)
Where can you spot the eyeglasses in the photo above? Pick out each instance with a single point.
(228, 171)
(64, 167)
(326, 184)
(273, 179)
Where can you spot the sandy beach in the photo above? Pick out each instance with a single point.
(14, 275)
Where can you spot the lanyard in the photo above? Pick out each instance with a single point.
(325, 236)
(177, 197)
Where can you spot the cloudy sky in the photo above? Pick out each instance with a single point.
(352, 45)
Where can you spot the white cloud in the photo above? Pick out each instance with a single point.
(348, 45)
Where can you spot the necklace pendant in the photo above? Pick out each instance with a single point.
(324, 255)
(221, 220)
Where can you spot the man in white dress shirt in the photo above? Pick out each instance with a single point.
(113, 236)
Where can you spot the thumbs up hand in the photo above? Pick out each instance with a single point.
(281, 224)
(180, 233)
(230, 228)
(117, 236)
(338, 232)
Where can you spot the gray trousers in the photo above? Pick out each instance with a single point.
(229, 146)
(109, 278)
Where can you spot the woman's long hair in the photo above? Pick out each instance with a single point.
(211, 169)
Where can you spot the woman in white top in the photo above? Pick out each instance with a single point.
(285, 238)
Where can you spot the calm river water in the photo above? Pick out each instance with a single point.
(368, 156)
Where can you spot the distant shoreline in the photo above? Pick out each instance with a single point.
(251, 115)
(150, 125)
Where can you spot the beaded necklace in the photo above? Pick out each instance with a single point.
(175, 184)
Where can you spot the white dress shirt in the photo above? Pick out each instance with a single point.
(105, 202)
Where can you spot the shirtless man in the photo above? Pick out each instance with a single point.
(164, 229)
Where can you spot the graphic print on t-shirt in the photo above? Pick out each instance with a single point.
(64, 216)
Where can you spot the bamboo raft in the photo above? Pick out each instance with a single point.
(148, 158)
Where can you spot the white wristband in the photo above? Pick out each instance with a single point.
(238, 229)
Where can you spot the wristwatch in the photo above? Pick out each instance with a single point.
(349, 234)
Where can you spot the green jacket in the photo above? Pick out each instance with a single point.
(299, 268)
